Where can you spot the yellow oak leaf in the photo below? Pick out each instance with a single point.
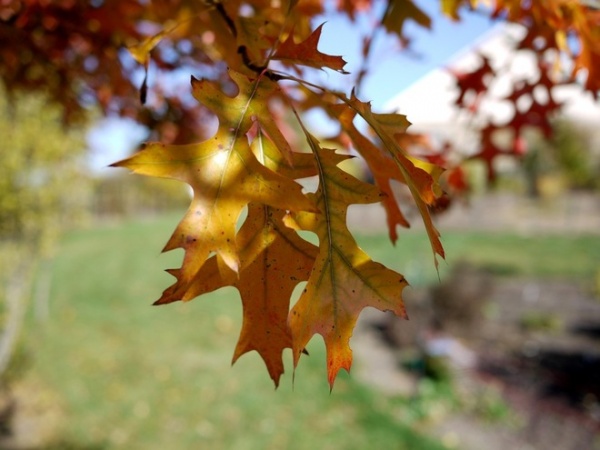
(273, 260)
(141, 51)
(450, 7)
(225, 176)
(240, 112)
(344, 280)
(177, 27)
(295, 165)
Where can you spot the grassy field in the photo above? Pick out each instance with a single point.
(566, 257)
(133, 376)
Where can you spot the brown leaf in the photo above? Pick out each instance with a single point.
(401, 11)
(306, 53)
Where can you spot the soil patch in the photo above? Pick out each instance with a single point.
(535, 342)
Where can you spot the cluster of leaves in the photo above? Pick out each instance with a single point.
(249, 163)
(72, 51)
(256, 59)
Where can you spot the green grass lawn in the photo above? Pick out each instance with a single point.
(134, 376)
(574, 257)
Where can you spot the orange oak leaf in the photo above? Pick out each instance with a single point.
(344, 280)
(588, 24)
(351, 7)
(306, 53)
(266, 286)
(382, 167)
(273, 260)
(421, 177)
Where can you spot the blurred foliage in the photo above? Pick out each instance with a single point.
(125, 196)
(20, 362)
(434, 401)
(567, 158)
(570, 147)
(458, 302)
(490, 405)
(540, 321)
(42, 185)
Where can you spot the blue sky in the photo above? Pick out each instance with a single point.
(390, 71)
(393, 71)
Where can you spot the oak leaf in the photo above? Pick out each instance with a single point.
(450, 8)
(382, 167)
(489, 150)
(399, 12)
(420, 177)
(306, 53)
(273, 260)
(475, 82)
(266, 286)
(141, 51)
(225, 177)
(344, 280)
(239, 113)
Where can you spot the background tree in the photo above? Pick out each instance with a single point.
(253, 65)
(568, 157)
(42, 191)
(570, 147)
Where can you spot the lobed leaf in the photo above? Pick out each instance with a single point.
(273, 260)
(306, 53)
(421, 179)
(225, 177)
(344, 280)
(401, 11)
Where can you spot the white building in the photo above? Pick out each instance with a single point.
(429, 103)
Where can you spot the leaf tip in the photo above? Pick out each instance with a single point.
(123, 163)
(144, 89)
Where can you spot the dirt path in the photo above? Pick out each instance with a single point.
(547, 373)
